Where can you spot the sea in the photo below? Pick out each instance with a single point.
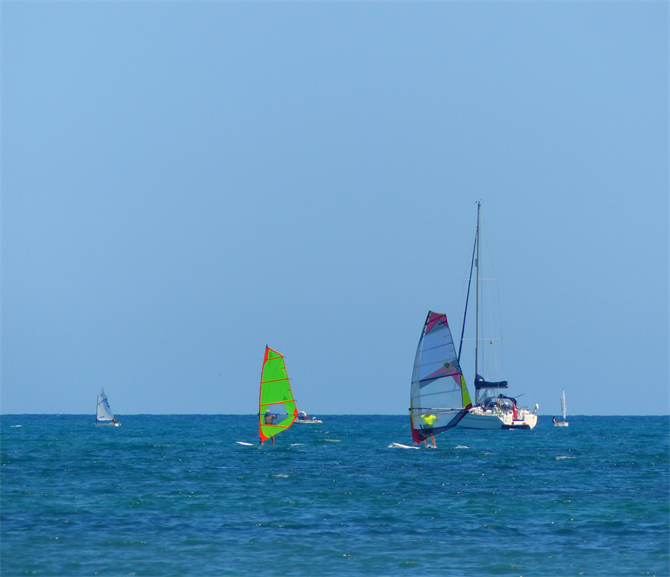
(180, 495)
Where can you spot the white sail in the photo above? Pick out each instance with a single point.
(563, 410)
(104, 411)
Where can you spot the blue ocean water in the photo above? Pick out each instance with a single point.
(177, 495)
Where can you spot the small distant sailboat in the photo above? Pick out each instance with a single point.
(276, 405)
(562, 423)
(103, 412)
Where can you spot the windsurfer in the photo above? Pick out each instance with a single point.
(268, 419)
(428, 420)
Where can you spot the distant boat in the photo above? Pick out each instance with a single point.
(562, 423)
(103, 412)
(276, 406)
(305, 420)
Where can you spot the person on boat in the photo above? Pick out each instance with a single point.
(428, 420)
(555, 421)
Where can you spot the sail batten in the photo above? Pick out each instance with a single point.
(276, 406)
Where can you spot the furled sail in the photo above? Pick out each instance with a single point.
(276, 409)
(439, 397)
(103, 411)
(481, 383)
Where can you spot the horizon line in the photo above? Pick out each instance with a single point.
(314, 414)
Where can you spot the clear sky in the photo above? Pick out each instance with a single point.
(184, 183)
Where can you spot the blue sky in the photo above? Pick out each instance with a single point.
(184, 183)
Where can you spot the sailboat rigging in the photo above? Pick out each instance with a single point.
(490, 411)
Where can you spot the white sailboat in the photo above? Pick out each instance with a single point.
(103, 412)
(562, 423)
(491, 410)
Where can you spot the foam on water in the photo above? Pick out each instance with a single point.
(401, 446)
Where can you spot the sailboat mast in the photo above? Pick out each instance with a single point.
(479, 204)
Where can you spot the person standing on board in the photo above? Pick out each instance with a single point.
(269, 419)
(428, 420)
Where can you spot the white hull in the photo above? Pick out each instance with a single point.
(100, 424)
(308, 421)
(563, 424)
(477, 418)
(480, 421)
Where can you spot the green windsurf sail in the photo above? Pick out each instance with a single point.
(276, 406)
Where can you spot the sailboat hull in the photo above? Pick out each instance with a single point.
(477, 418)
(480, 421)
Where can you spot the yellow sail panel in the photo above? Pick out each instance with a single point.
(276, 406)
(467, 403)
